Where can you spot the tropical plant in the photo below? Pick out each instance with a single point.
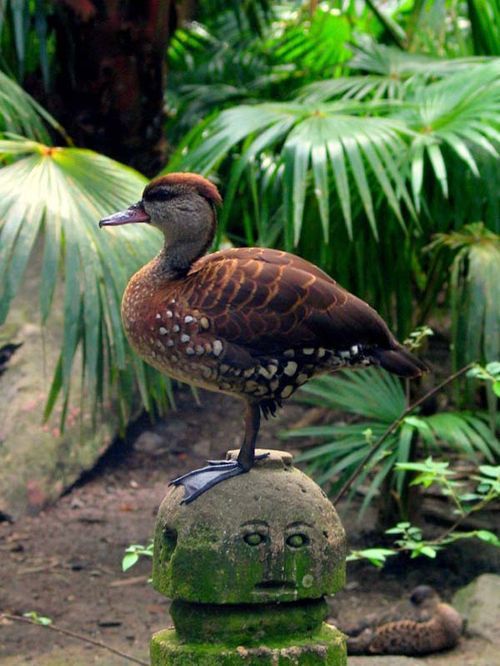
(485, 26)
(373, 412)
(226, 61)
(21, 114)
(410, 539)
(58, 195)
(134, 552)
(386, 147)
(342, 168)
(26, 39)
(475, 291)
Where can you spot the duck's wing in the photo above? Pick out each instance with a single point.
(269, 301)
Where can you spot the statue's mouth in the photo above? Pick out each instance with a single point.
(275, 586)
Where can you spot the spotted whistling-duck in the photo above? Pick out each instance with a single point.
(251, 322)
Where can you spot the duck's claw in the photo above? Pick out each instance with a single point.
(200, 480)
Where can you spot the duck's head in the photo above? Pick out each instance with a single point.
(181, 205)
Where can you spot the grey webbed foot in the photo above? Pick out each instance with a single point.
(200, 480)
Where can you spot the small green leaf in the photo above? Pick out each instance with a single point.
(488, 536)
(429, 551)
(377, 556)
(490, 470)
(128, 561)
(39, 619)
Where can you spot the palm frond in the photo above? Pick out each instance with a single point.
(21, 114)
(320, 144)
(59, 194)
(475, 292)
(460, 113)
(25, 37)
(386, 73)
(377, 399)
(316, 43)
(485, 26)
(373, 394)
(389, 61)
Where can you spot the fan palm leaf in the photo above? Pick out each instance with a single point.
(58, 195)
(474, 292)
(316, 42)
(460, 113)
(387, 72)
(21, 114)
(328, 142)
(377, 399)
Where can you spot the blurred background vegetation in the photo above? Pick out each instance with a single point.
(361, 135)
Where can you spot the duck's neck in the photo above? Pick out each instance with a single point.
(188, 234)
(175, 260)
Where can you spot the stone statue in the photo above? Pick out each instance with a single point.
(248, 571)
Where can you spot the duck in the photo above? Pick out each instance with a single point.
(251, 322)
(426, 625)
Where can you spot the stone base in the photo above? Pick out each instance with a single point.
(326, 648)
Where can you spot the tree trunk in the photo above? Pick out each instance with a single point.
(109, 91)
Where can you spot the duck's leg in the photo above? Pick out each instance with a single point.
(246, 456)
(200, 480)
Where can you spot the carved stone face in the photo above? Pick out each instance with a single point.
(267, 536)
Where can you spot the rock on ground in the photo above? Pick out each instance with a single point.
(479, 603)
(37, 461)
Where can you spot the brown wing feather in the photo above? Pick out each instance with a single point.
(267, 299)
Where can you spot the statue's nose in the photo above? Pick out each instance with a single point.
(274, 569)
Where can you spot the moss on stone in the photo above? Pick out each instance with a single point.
(247, 624)
(325, 648)
(248, 566)
(271, 525)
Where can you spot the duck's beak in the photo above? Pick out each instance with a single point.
(134, 213)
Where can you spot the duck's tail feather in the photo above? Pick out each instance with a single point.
(400, 362)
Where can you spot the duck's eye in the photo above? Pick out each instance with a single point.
(254, 539)
(297, 540)
(160, 195)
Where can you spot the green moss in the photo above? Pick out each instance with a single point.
(247, 624)
(325, 648)
(244, 544)
(203, 570)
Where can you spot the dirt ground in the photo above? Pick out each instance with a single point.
(65, 563)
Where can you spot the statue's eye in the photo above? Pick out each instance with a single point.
(297, 540)
(254, 539)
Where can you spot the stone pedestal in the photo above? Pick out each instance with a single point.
(248, 565)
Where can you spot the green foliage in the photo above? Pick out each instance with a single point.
(134, 552)
(475, 291)
(485, 26)
(490, 373)
(225, 61)
(378, 401)
(57, 195)
(337, 136)
(340, 141)
(340, 160)
(318, 145)
(377, 71)
(26, 41)
(376, 556)
(38, 619)
(20, 114)
(410, 538)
